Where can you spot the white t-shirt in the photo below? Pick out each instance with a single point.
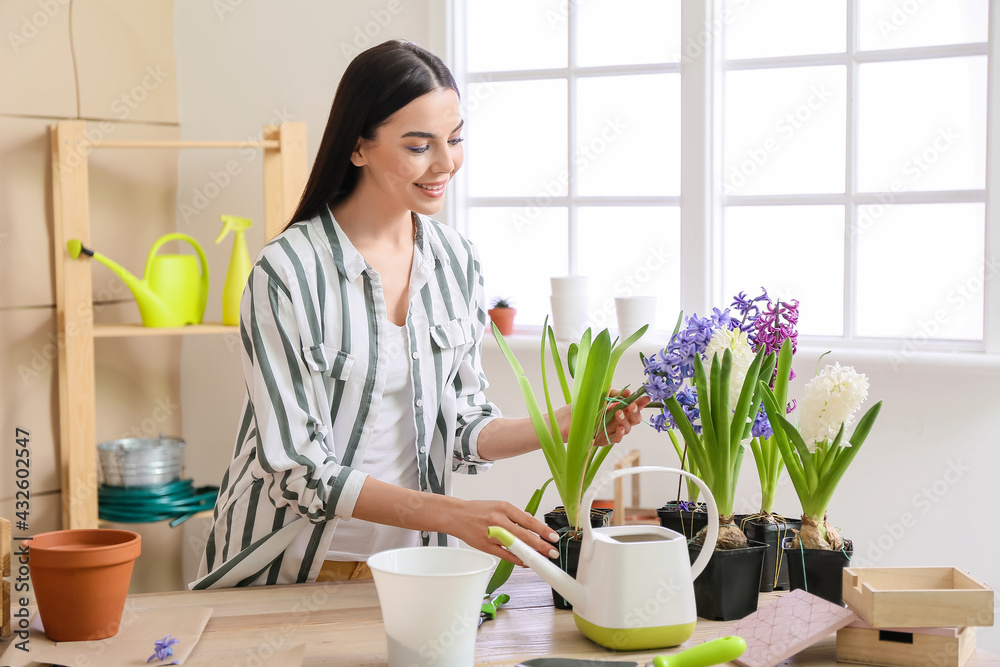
(391, 458)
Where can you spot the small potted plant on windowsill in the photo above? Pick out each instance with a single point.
(817, 453)
(502, 314)
(574, 456)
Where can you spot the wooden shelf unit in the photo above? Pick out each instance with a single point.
(123, 330)
(285, 173)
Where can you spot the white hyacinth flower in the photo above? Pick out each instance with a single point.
(831, 399)
(737, 342)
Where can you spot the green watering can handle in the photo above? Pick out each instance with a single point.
(177, 236)
(715, 652)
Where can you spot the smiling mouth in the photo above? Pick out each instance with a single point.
(437, 187)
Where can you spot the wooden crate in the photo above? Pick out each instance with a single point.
(917, 597)
(905, 647)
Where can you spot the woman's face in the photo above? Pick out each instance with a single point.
(415, 153)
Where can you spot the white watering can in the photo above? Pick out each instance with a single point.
(635, 584)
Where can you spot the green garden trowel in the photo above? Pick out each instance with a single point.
(715, 652)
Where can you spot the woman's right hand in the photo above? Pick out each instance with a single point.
(470, 520)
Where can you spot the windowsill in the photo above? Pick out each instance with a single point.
(894, 354)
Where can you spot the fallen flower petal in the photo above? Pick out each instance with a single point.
(162, 648)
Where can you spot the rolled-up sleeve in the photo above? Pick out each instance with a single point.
(294, 452)
(475, 410)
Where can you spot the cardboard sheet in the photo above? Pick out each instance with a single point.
(133, 644)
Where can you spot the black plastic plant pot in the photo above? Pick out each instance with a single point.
(726, 590)
(599, 517)
(774, 576)
(569, 543)
(681, 521)
(818, 571)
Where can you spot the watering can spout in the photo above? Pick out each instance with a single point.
(147, 299)
(566, 585)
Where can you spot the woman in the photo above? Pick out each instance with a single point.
(362, 325)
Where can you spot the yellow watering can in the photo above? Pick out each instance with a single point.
(172, 292)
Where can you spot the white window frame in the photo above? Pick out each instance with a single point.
(571, 73)
(701, 198)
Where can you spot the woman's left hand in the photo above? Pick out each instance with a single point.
(623, 421)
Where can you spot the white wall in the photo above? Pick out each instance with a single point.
(923, 491)
(242, 65)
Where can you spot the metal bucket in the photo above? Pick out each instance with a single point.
(141, 461)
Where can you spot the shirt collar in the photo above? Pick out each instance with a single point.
(429, 249)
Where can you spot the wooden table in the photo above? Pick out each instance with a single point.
(341, 624)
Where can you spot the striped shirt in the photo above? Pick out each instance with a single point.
(314, 329)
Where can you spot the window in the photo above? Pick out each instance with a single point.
(854, 164)
(573, 149)
(842, 146)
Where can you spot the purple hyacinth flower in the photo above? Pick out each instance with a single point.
(741, 303)
(660, 422)
(162, 648)
(667, 371)
(723, 320)
(747, 307)
(687, 396)
(775, 325)
(761, 426)
(658, 388)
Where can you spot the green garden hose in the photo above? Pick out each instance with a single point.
(178, 501)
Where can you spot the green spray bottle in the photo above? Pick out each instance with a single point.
(239, 268)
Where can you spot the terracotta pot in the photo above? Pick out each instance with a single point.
(504, 319)
(80, 579)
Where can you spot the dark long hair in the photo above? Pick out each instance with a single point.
(379, 82)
